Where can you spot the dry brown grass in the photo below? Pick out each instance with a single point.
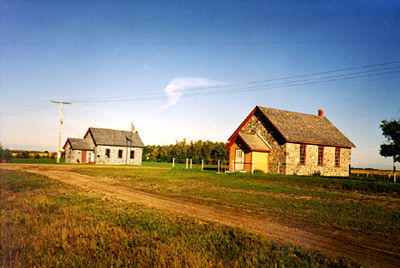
(374, 172)
(47, 223)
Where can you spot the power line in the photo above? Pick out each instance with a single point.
(235, 89)
(122, 97)
(23, 108)
(371, 70)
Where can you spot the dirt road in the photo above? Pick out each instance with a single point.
(373, 252)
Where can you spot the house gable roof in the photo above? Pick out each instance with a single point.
(79, 144)
(113, 137)
(254, 142)
(300, 128)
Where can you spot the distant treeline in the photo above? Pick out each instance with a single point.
(33, 154)
(208, 151)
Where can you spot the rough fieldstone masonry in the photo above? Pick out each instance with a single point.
(105, 146)
(283, 133)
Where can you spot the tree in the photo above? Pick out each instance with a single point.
(391, 131)
(181, 150)
(5, 154)
(25, 154)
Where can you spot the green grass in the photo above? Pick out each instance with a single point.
(48, 223)
(360, 208)
(36, 160)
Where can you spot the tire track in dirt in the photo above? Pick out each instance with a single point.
(376, 253)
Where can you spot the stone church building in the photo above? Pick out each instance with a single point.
(284, 142)
(105, 146)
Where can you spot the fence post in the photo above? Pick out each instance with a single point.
(190, 163)
(187, 163)
(219, 165)
(394, 174)
(173, 162)
(202, 164)
(349, 170)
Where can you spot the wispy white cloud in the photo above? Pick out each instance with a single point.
(177, 86)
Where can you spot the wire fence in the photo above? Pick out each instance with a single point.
(222, 165)
(375, 175)
(218, 165)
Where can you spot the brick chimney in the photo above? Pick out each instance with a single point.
(321, 112)
(133, 128)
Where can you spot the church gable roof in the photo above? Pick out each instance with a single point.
(297, 127)
(305, 128)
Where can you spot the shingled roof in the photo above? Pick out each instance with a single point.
(254, 142)
(300, 128)
(305, 128)
(79, 144)
(113, 137)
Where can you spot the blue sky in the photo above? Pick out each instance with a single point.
(81, 50)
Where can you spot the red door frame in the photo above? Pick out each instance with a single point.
(83, 156)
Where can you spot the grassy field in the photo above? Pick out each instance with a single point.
(36, 160)
(48, 223)
(357, 207)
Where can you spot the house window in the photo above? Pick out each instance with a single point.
(108, 153)
(320, 155)
(302, 154)
(337, 157)
(132, 154)
(119, 153)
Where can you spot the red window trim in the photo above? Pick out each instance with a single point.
(305, 154)
(322, 160)
(339, 149)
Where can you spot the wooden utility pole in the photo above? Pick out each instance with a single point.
(59, 129)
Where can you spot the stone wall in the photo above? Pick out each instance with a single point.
(277, 157)
(114, 159)
(88, 138)
(311, 163)
(74, 157)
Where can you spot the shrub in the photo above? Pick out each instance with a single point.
(5, 154)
